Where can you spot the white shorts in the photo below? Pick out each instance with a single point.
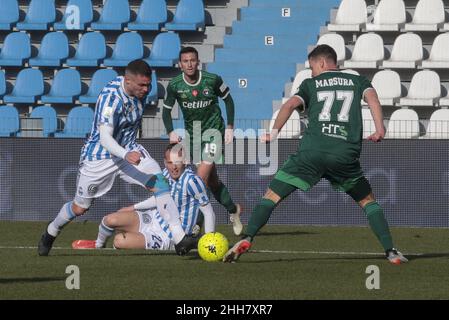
(155, 237)
(96, 177)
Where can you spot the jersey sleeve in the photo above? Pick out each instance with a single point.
(170, 97)
(221, 88)
(303, 93)
(197, 189)
(109, 108)
(365, 84)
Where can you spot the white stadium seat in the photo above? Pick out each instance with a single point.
(438, 127)
(368, 52)
(368, 123)
(439, 54)
(403, 124)
(388, 87)
(292, 128)
(299, 78)
(389, 16)
(428, 16)
(407, 52)
(351, 16)
(337, 42)
(425, 89)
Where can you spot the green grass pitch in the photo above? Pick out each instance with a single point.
(287, 262)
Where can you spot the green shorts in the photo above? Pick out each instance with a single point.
(210, 151)
(306, 168)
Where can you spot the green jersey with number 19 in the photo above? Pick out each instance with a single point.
(198, 101)
(333, 103)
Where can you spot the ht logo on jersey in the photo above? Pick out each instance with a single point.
(334, 130)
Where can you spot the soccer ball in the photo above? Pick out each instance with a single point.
(212, 246)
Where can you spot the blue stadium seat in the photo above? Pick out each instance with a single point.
(129, 46)
(28, 88)
(91, 50)
(78, 123)
(41, 13)
(49, 119)
(9, 14)
(9, 121)
(66, 87)
(99, 80)
(262, 55)
(115, 15)
(53, 51)
(151, 16)
(245, 69)
(84, 8)
(2, 84)
(16, 49)
(189, 15)
(152, 97)
(165, 50)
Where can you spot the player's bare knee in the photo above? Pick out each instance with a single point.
(271, 195)
(77, 210)
(110, 220)
(119, 241)
(367, 200)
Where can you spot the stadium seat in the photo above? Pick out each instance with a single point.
(9, 14)
(428, 16)
(78, 123)
(425, 89)
(16, 49)
(66, 87)
(2, 84)
(129, 46)
(368, 52)
(438, 126)
(9, 121)
(152, 15)
(368, 123)
(28, 88)
(189, 15)
(91, 50)
(53, 51)
(152, 96)
(388, 87)
(337, 42)
(49, 119)
(41, 13)
(115, 15)
(165, 50)
(299, 78)
(390, 15)
(75, 7)
(403, 124)
(439, 54)
(351, 16)
(407, 52)
(291, 129)
(99, 80)
(350, 71)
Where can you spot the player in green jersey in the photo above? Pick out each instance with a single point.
(330, 147)
(197, 94)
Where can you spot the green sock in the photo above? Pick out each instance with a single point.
(221, 194)
(259, 217)
(379, 224)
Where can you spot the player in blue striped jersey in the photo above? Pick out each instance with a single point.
(111, 150)
(141, 226)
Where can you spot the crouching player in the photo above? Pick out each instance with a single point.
(141, 226)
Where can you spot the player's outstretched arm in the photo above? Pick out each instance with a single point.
(372, 100)
(109, 143)
(284, 114)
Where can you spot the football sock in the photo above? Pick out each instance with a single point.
(221, 194)
(259, 217)
(379, 224)
(104, 232)
(64, 216)
(168, 210)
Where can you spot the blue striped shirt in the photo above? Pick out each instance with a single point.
(189, 194)
(117, 109)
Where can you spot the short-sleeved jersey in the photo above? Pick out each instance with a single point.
(198, 101)
(114, 108)
(333, 104)
(189, 194)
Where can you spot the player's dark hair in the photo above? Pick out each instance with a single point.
(325, 51)
(139, 67)
(188, 50)
(172, 146)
